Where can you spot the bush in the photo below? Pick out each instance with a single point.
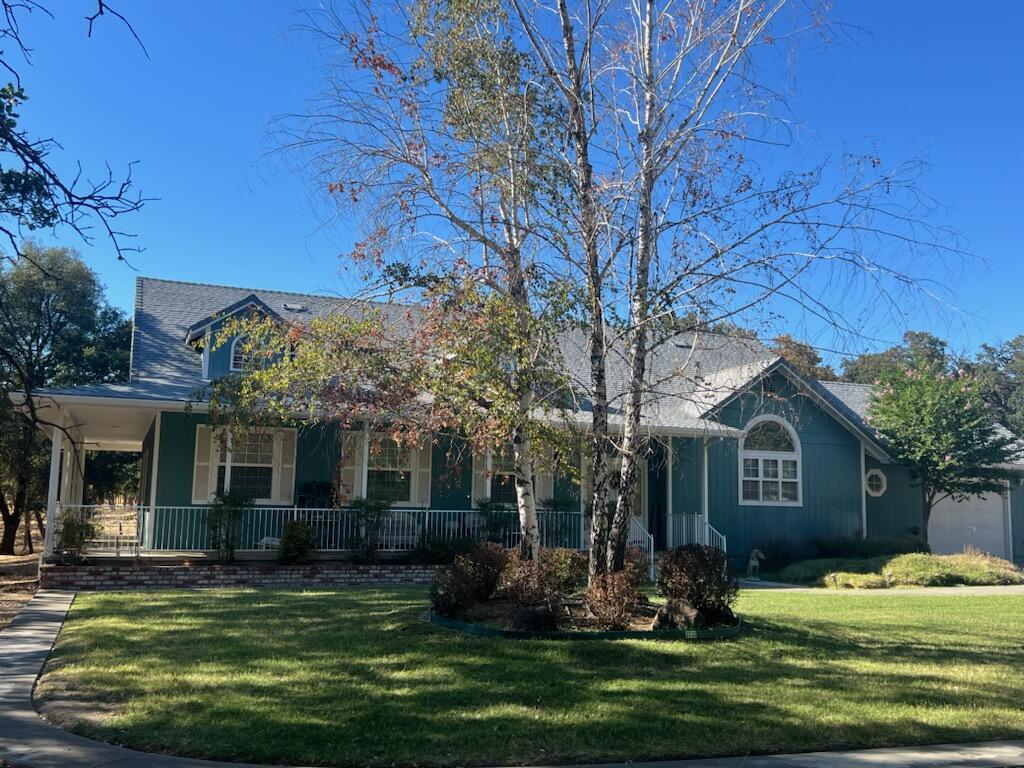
(700, 576)
(456, 588)
(847, 580)
(815, 571)
(781, 551)
(489, 560)
(225, 521)
(528, 582)
(74, 533)
(568, 569)
(850, 547)
(296, 542)
(972, 568)
(611, 598)
(434, 550)
(637, 565)
(371, 515)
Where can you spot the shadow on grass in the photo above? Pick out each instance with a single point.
(346, 677)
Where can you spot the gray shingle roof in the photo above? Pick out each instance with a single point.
(687, 375)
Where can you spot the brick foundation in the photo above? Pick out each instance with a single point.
(210, 575)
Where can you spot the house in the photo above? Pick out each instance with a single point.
(741, 449)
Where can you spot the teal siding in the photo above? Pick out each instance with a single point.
(686, 476)
(316, 456)
(220, 358)
(1017, 520)
(830, 468)
(177, 452)
(900, 510)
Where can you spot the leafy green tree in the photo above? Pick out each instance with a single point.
(804, 358)
(870, 367)
(1000, 373)
(935, 421)
(55, 330)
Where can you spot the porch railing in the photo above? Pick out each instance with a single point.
(640, 537)
(128, 530)
(694, 529)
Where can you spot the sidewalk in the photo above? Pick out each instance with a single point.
(26, 741)
(1009, 589)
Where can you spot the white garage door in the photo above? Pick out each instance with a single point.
(978, 522)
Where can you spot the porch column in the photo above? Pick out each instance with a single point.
(52, 492)
(704, 480)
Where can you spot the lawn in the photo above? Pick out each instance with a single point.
(350, 677)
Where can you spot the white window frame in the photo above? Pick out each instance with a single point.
(780, 456)
(493, 472)
(867, 484)
(219, 458)
(410, 469)
(231, 361)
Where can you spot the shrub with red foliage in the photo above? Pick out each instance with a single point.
(611, 598)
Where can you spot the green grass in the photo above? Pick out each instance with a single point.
(910, 570)
(356, 676)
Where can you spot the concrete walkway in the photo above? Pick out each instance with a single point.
(1009, 589)
(26, 741)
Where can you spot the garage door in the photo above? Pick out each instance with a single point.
(978, 522)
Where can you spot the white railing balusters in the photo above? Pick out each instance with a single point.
(695, 529)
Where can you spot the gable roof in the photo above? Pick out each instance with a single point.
(198, 328)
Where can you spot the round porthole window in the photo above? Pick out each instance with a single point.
(876, 482)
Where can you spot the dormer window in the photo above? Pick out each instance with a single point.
(240, 357)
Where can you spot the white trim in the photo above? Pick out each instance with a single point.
(863, 493)
(52, 490)
(412, 469)
(366, 460)
(206, 356)
(704, 480)
(779, 456)
(875, 472)
(231, 359)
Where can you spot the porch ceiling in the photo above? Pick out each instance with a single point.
(104, 426)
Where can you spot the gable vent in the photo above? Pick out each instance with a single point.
(294, 307)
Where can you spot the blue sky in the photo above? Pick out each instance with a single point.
(939, 80)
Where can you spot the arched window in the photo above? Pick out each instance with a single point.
(770, 463)
(239, 358)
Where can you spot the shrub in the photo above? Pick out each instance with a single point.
(781, 551)
(225, 521)
(611, 598)
(489, 560)
(470, 579)
(815, 571)
(528, 582)
(850, 547)
(700, 576)
(456, 588)
(972, 568)
(568, 569)
(370, 515)
(637, 565)
(847, 580)
(74, 533)
(296, 542)
(434, 550)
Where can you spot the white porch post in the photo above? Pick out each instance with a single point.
(52, 492)
(704, 492)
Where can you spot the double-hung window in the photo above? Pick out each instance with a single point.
(259, 464)
(388, 471)
(770, 463)
(252, 466)
(503, 475)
